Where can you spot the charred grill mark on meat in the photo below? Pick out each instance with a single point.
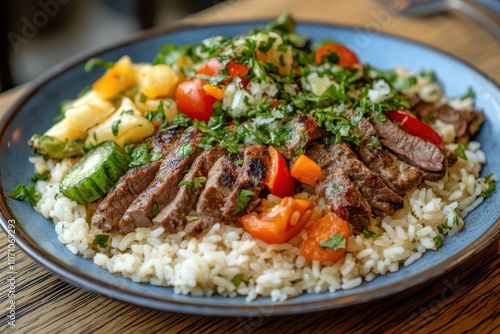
(220, 181)
(251, 176)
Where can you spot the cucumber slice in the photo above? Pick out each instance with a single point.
(96, 173)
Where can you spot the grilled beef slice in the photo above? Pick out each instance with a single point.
(172, 217)
(303, 129)
(220, 181)
(382, 199)
(344, 199)
(414, 150)
(396, 174)
(164, 186)
(111, 209)
(466, 123)
(377, 194)
(253, 172)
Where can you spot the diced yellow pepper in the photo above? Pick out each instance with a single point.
(120, 77)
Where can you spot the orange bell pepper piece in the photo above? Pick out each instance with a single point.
(326, 239)
(282, 222)
(307, 171)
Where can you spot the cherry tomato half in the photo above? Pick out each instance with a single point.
(346, 56)
(194, 101)
(411, 124)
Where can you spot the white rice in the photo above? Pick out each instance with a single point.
(213, 263)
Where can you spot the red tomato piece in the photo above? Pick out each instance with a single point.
(279, 182)
(316, 246)
(346, 56)
(211, 67)
(237, 70)
(282, 223)
(194, 101)
(411, 124)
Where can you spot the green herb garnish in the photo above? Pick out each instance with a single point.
(22, 192)
(243, 199)
(185, 150)
(101, 240)
(336, 242)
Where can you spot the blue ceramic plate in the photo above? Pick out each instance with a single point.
(33, 113)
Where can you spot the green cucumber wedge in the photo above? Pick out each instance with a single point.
(96, 173)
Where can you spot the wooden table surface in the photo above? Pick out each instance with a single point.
(465, 300)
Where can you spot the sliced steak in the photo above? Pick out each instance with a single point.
(415, 150)
(382, 199)
(220, 181)
(344, 199)
(396, 174)
(164, 186)
(253, 173)
(466, 123)
(136, 180)
(172, 217)
(303, 129)
(377, 194)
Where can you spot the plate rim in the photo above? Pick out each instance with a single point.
(72, 276)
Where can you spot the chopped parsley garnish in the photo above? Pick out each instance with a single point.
(155, 156)
(375, 143)
(22, 192)
(141, 155)
(438, 241)
(460, 152)
(490, 181)
(454, 221)
(39, 177)
(196, 184)
(143, 98)
(159, 114)
(127, 112)
(198, 181)
(237, 279)
(114, 127)
(414, 215)
(155, 209)
(185, 150)
(336, 242)
(336, 187)
(243, 199)
(442, 228)
(101, 240)
(468, 95)
(370, 234)
(192, 218)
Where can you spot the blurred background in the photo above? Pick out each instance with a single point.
(37, 34)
